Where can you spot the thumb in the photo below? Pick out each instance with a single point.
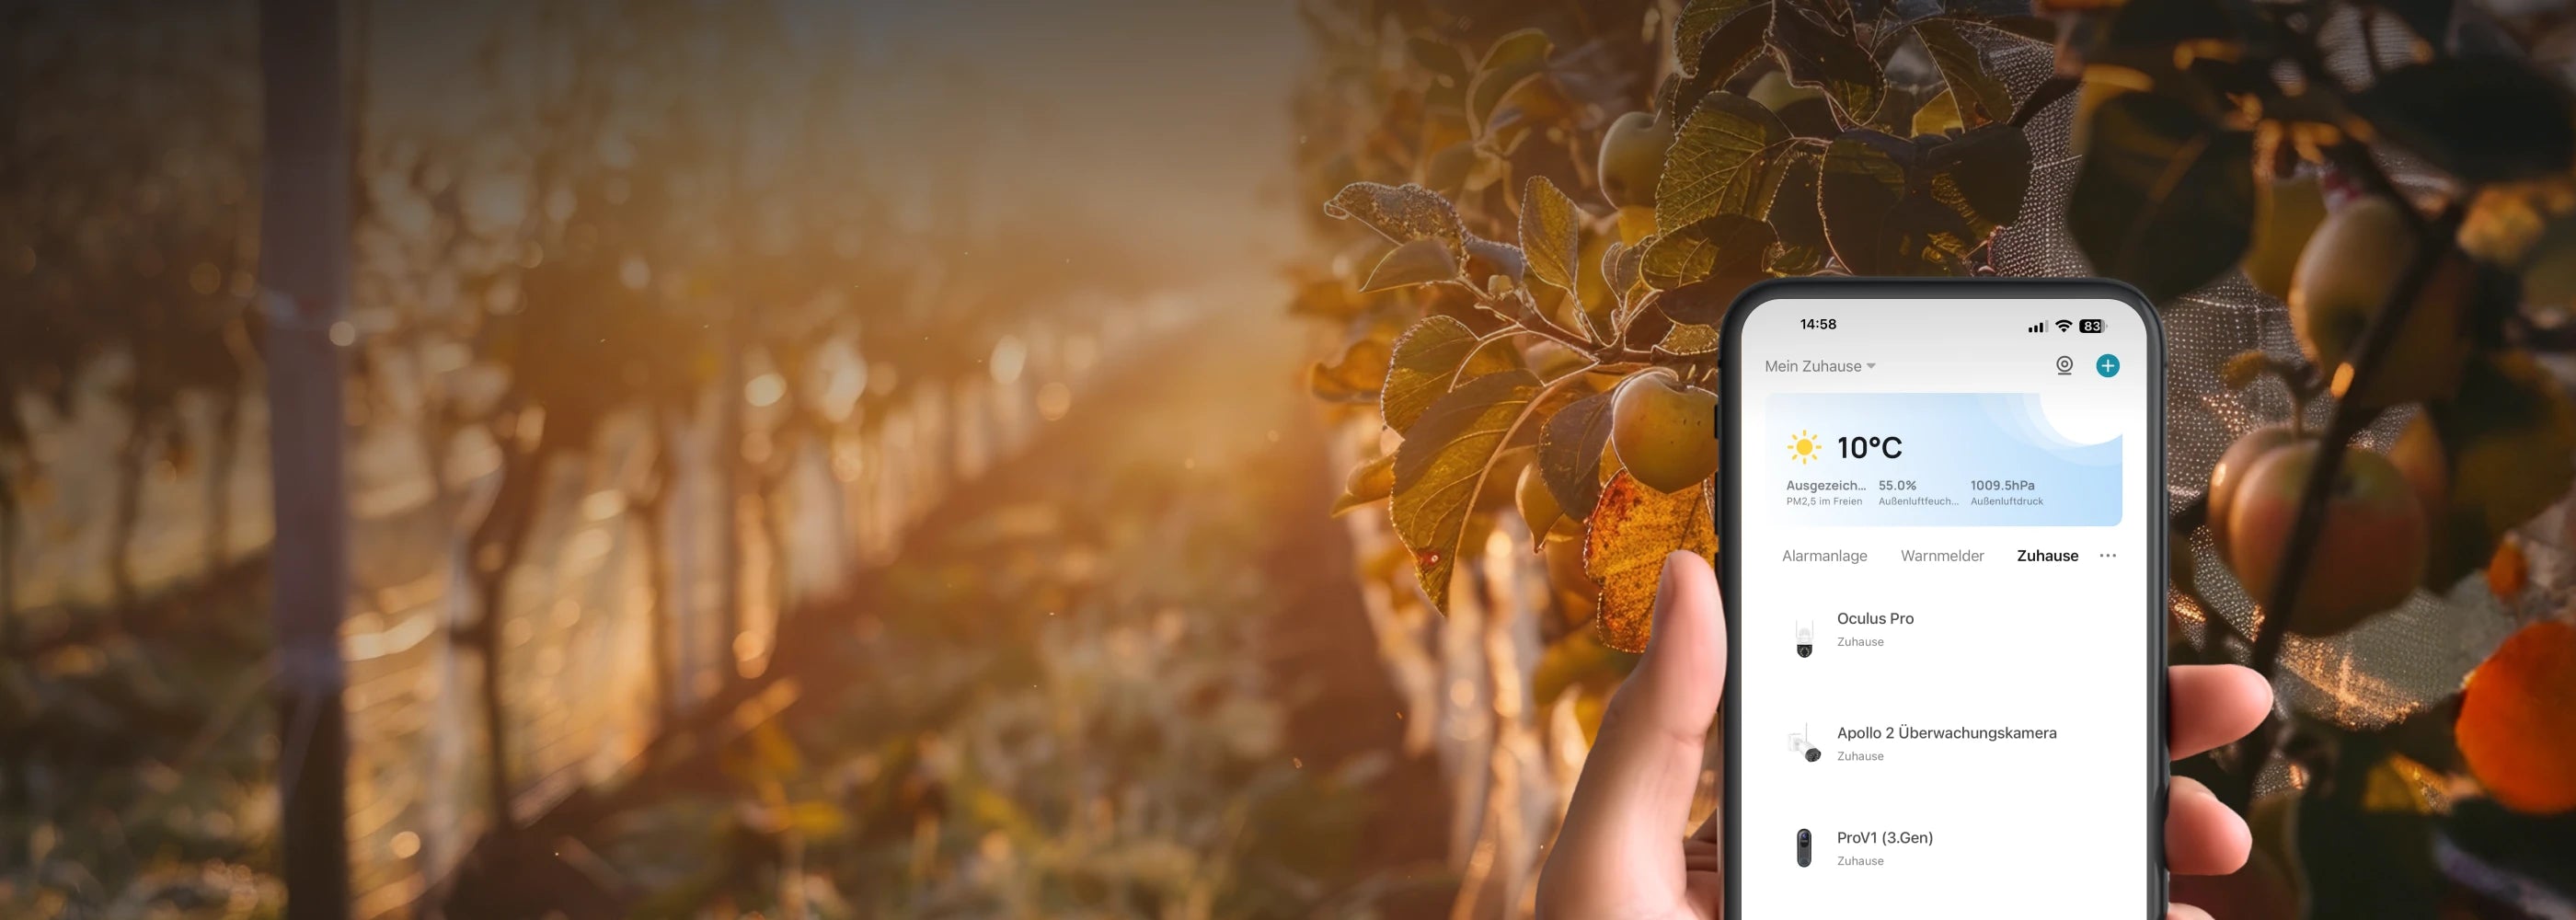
(1623, 832)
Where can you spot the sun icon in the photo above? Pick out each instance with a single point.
(1803, 448)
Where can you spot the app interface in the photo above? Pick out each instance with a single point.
(1946, 593)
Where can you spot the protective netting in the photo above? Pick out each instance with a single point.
(2392, 663)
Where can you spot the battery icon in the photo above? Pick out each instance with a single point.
(2092, 325)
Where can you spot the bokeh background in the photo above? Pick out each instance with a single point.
(815, 459)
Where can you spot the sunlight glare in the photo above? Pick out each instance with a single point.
(765, 390)
(1009, 356)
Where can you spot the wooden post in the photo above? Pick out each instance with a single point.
(304, 272)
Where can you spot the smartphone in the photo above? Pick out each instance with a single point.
(1944, 559)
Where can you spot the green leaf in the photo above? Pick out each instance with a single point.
(1725, 248)
(1401, 213)
(1551, 233)
(1419, 262)
(1510, 60)
(1569, 451)
(1719, 162)
(1877, 217)
(1796, 218)
(1982, 176)
(2165, 197)
(1442, 465)
(2482, 119)
(1701, 17)
(1817, 43)
(1721, 54)
(1427, 362)
(1978, 96)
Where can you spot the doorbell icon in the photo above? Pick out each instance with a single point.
(1806, 847)
(1806, 637)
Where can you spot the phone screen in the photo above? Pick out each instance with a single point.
(1945, 543)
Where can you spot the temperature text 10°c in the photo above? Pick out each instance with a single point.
(1816, 322)
(1864, 448)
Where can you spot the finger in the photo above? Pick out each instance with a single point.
(2202, 835)
(1622, 831)
(2185, 912)
(2213, 704)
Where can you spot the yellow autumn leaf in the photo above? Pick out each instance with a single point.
(1354, 376)
(1633, 529)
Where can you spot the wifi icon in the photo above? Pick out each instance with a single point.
(2065, 324)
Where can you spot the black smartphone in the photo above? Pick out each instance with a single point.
(1944, 551)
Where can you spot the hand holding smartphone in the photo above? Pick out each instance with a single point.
(1942, 513)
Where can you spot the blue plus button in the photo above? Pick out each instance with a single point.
(2107, 364)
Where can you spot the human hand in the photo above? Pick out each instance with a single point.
(1616, 858)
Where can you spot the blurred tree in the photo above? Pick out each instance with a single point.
(134, 242)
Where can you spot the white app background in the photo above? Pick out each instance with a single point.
(1979, 728)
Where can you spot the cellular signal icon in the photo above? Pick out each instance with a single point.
(2039, 327)
(2065, 324)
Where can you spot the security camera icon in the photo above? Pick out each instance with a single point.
(1798, 745)
(1806, 637)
